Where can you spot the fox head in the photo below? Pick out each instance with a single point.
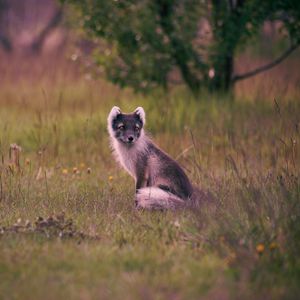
(126, 128)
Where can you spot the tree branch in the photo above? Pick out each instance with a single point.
(266, 67)
(6, 43)
(54, 21)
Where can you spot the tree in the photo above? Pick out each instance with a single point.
(5, 41)
(14, 18)
(39, 41)
(235, 22)
(145, 40)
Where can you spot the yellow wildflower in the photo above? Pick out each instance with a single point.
(110, 178)
(273, 246)
(260, 248)
(65, 171)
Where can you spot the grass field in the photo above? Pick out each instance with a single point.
(90, 242)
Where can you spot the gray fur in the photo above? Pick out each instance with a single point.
(160, 182)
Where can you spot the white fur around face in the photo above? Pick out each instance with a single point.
(141, 113)
(127, 156)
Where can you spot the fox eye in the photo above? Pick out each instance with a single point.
(121, 127)
(137, 127)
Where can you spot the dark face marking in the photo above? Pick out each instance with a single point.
(127, 128)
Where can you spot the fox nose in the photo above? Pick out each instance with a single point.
(130, 139)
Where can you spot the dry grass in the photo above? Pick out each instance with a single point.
(245, 245)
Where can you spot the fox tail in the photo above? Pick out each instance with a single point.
(154, 198)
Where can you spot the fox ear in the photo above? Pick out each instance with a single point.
(115, 111)
(141, 113)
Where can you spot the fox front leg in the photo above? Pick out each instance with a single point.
(141, 180)
(141, 173)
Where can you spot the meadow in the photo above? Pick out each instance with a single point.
(68, 227)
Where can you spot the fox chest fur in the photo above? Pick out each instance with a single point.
(131, 158)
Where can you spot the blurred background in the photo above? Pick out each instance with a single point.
(243, 47)
(64, 64)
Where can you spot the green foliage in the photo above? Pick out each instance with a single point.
(143, 38)
(142, 42)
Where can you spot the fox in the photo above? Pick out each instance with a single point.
(160, 182)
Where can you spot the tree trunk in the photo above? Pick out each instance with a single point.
(5, 41)
(180, 51)
(182, 62)
(38, 43)
(222, 73)
(228, 24)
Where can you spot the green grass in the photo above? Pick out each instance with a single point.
(246, 154)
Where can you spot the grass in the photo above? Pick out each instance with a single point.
(245, 245)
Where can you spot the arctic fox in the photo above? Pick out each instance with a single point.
(159, 180)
